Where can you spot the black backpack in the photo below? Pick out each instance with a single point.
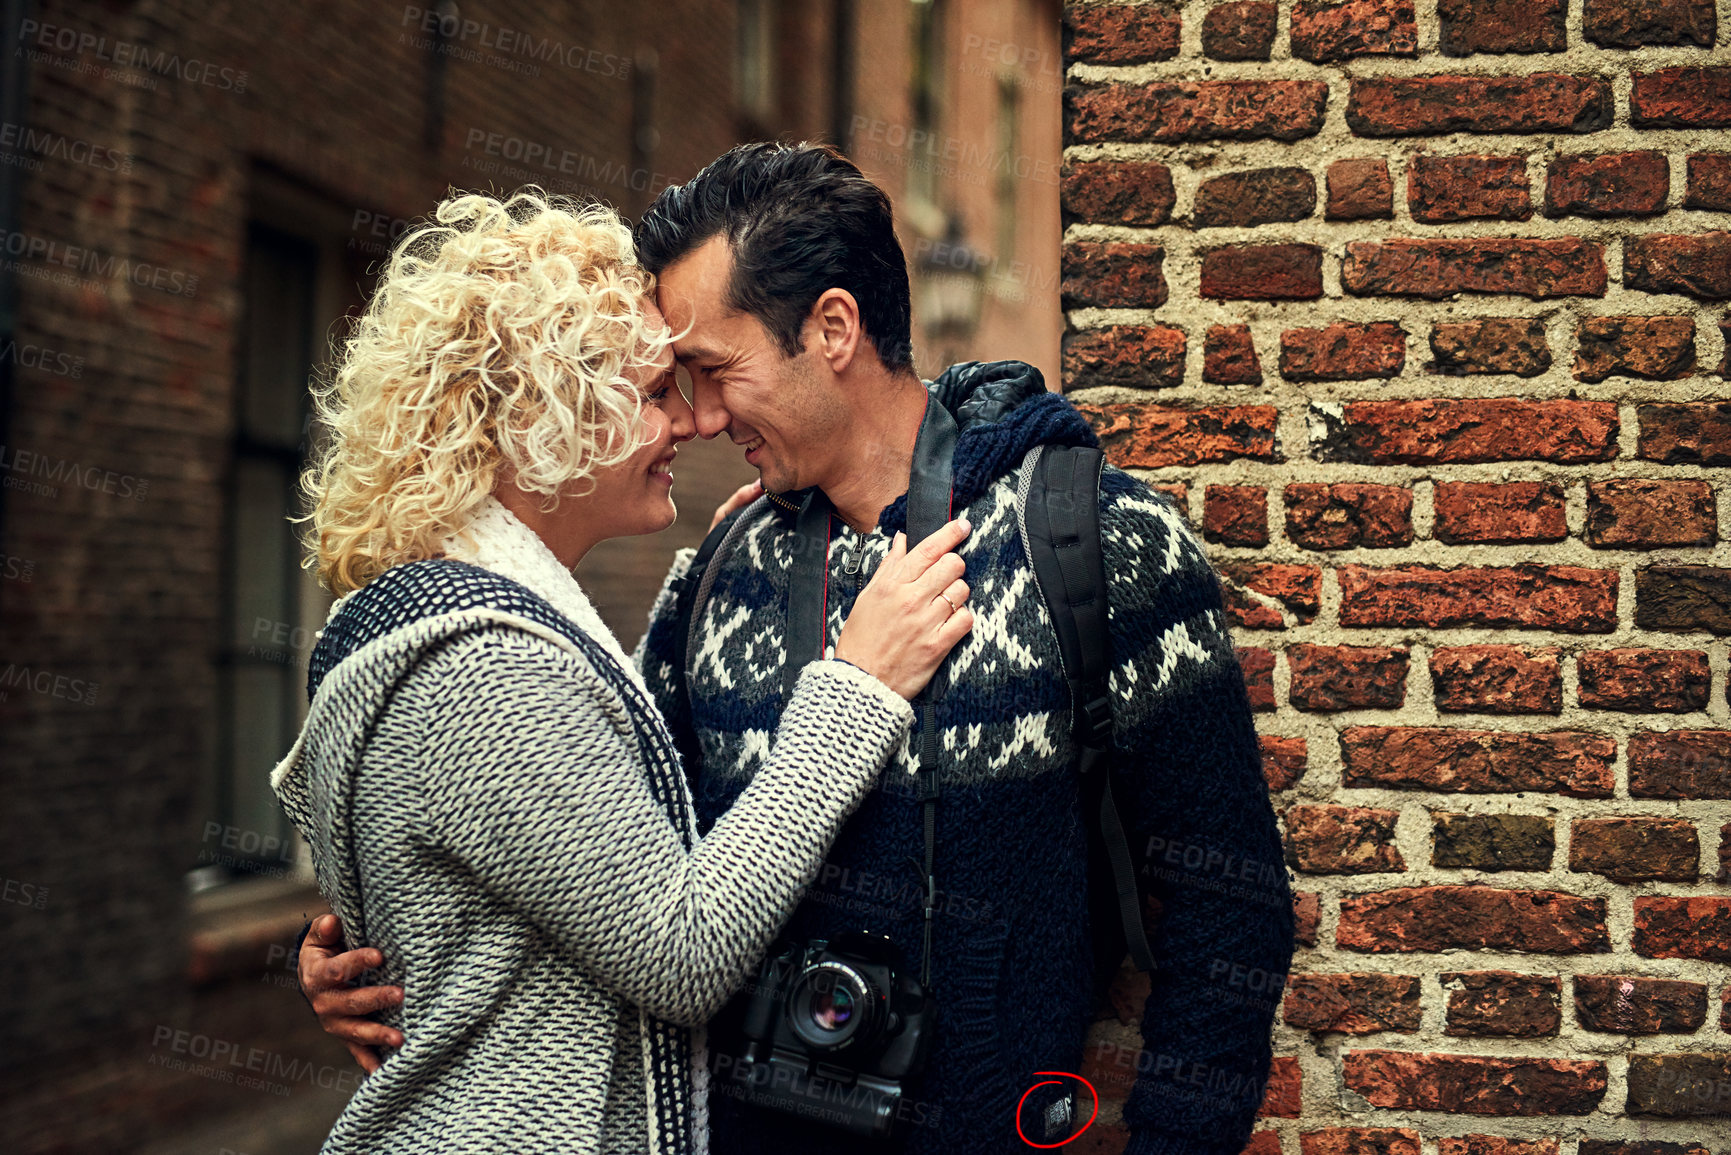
(1059, 513)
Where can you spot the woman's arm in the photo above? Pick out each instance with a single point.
(530, 783)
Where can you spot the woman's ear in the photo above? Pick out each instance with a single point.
(836, 315)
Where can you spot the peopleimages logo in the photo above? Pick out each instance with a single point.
(126, 54)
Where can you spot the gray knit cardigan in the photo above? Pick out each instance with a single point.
(479, 810)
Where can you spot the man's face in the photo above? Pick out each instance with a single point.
(777, 408)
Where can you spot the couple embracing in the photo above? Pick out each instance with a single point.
(581, 894)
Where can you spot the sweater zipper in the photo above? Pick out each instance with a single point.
(851, 566)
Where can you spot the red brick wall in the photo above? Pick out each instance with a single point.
(1421, 311)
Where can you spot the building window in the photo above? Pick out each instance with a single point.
(754, 60)
(927, 97)
(271, 605)
(1009, 165)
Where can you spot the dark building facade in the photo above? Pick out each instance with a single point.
(192, 198)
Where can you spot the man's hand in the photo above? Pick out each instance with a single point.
(328, 981)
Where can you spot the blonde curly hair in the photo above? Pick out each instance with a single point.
(503, 336)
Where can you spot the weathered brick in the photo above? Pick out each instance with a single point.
(1428, 105)
(1502, 1003)
(1569, 599)
(1137, 356)
(1121, 33)
(1165, 112)
(1657, 348)
(1441, 267)
(1117, 192)
(1496, 1145)
(1491, 345)
(1257, 663)
(1644, 681)
(1667, 927)
(1498, 512)
(1493, 842)
(1359, 189)
(1297, 587)
(1359, 1141)
(1631, 1005)
(1284, 1094)
(1306, 914)
(1229, 356)
(1475, 1084)
(1724, 369)
(1451, 760)
(1239, 30)
(1347, 677)
(1708, 184)
(1618, 184)
(1345, 514)
(1696, 265)
(1683, 598)
(1686, 433)
(1113, 274)
(1151, 436)
(1451, 431)
(1643, 513)
(1235, 514)
(1632, 23)
(1258, 197)
(1678, 1087)
(1635, 849)
(1261, 1143)
(1440, 189)
(1323, 32)
(1343, 351)
(1470, 26)
(1342, 840)
(1680, 764)
(1262, 273)
(1283, 760)
(1638, 1147)
(1724, 875)
(1497, 679)
(1353, 1004)
(1433, 918)
(1681, 98)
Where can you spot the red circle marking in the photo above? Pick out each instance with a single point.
(1048, 1083)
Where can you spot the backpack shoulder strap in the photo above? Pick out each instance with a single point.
(687, 606)
(1059, 506)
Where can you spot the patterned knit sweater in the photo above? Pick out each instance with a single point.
(493, 803)
(1011, 954)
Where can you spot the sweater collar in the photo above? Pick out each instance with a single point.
(497, 541)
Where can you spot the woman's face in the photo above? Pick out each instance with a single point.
(636, 496)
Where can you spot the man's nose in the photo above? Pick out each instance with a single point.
(710, 415)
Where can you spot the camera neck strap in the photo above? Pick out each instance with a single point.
(930, 495)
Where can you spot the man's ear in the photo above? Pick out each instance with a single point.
(836, 317)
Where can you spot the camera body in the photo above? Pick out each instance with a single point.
(829, 1030)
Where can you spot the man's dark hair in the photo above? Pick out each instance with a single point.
(800, 219)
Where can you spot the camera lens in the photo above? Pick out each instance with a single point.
(831, 1011)
(831, 1006)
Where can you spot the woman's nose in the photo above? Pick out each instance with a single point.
(680, 419)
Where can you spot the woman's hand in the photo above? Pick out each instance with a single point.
(743, 496)
(911, 613)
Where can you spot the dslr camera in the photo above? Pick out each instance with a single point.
(828, 1031)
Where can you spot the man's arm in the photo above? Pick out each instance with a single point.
(1197, 812)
